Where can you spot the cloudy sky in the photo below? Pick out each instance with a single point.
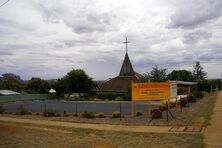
(47, 38)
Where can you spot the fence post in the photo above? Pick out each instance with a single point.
(76, 109)
(180, 105)
(167, 110)
(45, 108)
(120, 110)
(21, 109)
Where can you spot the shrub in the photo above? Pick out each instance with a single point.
(119, 99)
(198, 94)
(58, 115)
(162, 107)
(100, 115)
(139, 113)
(116, 114)
(172, 104)
(183, 102)
(111, 96)
(156, 113)
(87, 114)
(22, 111)
(50, 112)
(2, 110)
(191, 98)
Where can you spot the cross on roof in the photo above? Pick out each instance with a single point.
(126, 43)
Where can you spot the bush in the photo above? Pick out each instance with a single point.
(58, 115)
(2, 110)
(119, 99)
(162, 107)
(183, 102)
(191, 98)
(139, 113)
(87, 114)
(50, 112)
(100, 115)
(22, 111)
(198, 94)
(156, 113)
(172, 104)
(116, 114)
(111, 96)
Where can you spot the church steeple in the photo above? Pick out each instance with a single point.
(127, 68)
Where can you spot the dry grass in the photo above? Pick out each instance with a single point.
(16, 135)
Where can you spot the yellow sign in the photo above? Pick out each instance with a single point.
(151, 91)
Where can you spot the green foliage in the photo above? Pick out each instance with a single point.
(60, 87)
(183, 102)
(119, 99)
(116, 114)
(50, 112)
(156, 75)
(37, 85)
(11, 83)
(191, 98)
(100, 115)
(198, 94)
(76, 81)
(172, 104)
(180, 75)
(2, 110)
(22, 111)
(156, 113)
(198, 72)
(87, 114)
(209, 85)
(110, 96)
(79, 82)
(58, 115)
(162, 107)
(139, 113)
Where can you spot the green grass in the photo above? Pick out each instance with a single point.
(198, 141)
(204, 114)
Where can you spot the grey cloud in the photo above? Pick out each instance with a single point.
(91, 22)
(5, 53)
(191, 13)
(86, 20)
(195, 36)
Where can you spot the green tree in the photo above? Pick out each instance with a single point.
(79, 81)
(180, 75)
(76, 81)
(61, 86)
(11, 83)
(156, 75)
(198, 72)
(37, 85)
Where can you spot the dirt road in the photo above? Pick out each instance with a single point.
(213, 133)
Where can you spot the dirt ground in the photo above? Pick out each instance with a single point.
(21, 135)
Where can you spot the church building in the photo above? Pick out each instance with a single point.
(122, 82)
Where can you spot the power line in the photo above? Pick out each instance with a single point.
(4, 3)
